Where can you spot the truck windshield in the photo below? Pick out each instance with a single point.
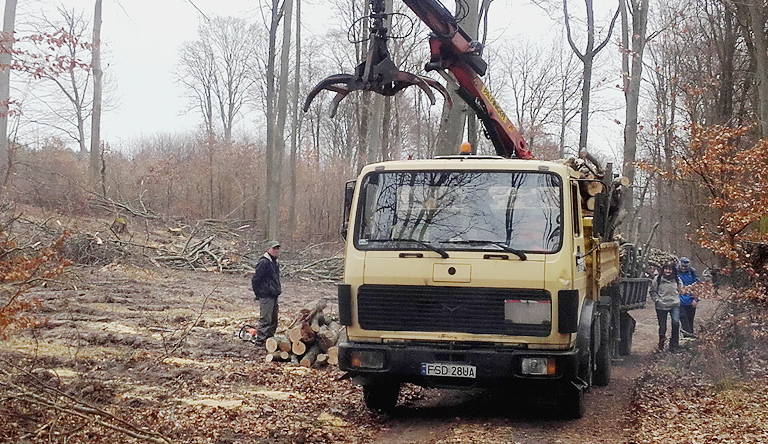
(460, 210)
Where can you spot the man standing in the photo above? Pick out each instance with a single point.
(266, 286)
(688, 301)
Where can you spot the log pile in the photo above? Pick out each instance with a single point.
(657, 258)
(309, 341)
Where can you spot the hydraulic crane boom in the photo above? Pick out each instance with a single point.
(451, 50)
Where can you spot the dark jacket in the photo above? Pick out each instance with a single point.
(266, 278)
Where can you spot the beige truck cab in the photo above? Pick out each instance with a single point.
(468, 271)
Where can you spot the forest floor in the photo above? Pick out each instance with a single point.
(149, 354)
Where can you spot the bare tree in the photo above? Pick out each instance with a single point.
(632, 74)
(95, 157)
(197, 77)
(9, 19)
(274, 154)
(587, 58)
(282, 110)
(542, 91)
(295, 124)
(752, 17)
(72, 86)
(216, 70)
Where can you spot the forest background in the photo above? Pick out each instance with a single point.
(693, 75)
(692, 78)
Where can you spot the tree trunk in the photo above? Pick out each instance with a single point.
(632, 90)
(453, 119)
(587, 58)
(278, 343)
(282, 113)
(95, 158)
(310, 356)
(471, 25)
(9, 19)
(386, 149)
(295, 126)
(376, 128)
(274, 156)
(757, 23)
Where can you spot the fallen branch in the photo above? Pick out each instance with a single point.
(77, 407)
(189, 328)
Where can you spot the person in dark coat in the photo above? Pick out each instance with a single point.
(266, 287)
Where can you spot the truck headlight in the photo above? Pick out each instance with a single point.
(372, 359)
(538, 366)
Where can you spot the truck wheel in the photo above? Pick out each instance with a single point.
(572, 406)
(381, 397)
(603, 356)
(627, 331)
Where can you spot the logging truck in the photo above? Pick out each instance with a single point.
(477, 271)
(471, 271)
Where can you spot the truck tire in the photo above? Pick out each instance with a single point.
(627, 331)
(603, 357)
(572, 406)
(381, 397)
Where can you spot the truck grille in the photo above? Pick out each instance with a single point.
(444, 309)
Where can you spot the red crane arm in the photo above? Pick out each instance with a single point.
(452, 49)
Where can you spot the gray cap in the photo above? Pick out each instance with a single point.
(273, 244)
(684, 261)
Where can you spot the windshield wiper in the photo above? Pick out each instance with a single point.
(501, 245)
(427, 245)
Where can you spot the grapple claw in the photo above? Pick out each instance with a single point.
(377, 73)
(329, 84)
(440, 88)
(343, 84)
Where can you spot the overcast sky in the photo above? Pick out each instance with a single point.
(142, 38)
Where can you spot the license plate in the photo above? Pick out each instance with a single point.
(449, 370)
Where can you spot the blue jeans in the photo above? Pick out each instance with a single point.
(674, 314)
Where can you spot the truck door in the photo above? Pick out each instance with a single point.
(579, 254)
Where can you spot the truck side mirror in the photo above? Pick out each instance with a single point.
(349, 193)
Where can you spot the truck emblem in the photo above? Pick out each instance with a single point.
(451, 309)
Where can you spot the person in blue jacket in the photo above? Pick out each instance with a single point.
(688, 301)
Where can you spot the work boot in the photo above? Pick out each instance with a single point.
(688, 335)
(662, 342)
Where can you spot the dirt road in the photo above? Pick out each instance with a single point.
(485, 417)
(159, 347)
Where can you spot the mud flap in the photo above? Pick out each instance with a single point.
(584, 342)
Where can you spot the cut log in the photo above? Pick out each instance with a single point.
(594, 188)
(318, 320)
(310, 357)
(309, 311)
(277, 356)
(301, 332)
(294, 334)
(322, 359)
(327, 337)
(298, 348)
(276, 343)
(333, 355)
